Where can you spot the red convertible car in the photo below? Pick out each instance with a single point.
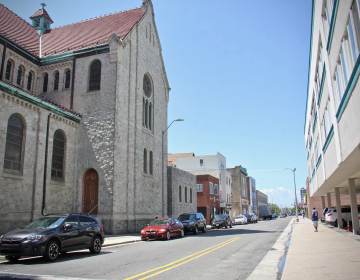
(162, 228)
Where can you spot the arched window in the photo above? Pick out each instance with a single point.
(145, 161)
(20, 75)
(185, 194)
(58, 156)
(147, 102)
(180, 194)
(95, 75)
(190, 195)
(146, 113)
(150, 116)
(151, 162)
(29, 81)
(9, 69)
(67, 78)
(14, 143)
(45, 82)
(56, 80)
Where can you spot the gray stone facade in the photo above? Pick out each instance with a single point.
(182, 196)
(109, 138)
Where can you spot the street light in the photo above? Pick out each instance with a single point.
(293, 170)
(162, 163)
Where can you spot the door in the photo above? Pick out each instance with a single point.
(71, 238)
(90, 192)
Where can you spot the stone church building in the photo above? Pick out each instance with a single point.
(83, 108)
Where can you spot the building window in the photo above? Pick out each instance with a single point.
(9, 68)
(45, 82)
(180, 194)
(67, 78)
(191, 200)
(58, 156)
(201, 162)
(151, 162)
(145, 161)
(199, 187)
(186, 195)
(95, 75)
(15, 135)
(216, 189)
(211, 188)
(20, 75)
(29, 81)
(148, 102)
(56, 80)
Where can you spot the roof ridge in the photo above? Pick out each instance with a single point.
(11, 11)
(95, 18)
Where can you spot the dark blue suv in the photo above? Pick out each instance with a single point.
(51, 235)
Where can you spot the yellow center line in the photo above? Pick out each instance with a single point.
(157, 270)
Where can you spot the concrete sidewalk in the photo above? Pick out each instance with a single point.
(327, 254)
(121, 239)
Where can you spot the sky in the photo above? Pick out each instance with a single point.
(238, 75)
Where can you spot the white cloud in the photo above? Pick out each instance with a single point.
(281, 196)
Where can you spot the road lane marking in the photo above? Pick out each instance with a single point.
(157, 270)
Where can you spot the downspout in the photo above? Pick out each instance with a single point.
(3, 62)
(35, 167)
(45, 165)
(72, 84)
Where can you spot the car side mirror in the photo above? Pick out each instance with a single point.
(68, 227)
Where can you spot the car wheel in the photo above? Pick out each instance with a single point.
(52, 250)
(182, 233)
(12, 259)
(196, 230)
(204, 229)
(95, 245)
(168, 236)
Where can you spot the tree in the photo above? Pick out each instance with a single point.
(275, 209)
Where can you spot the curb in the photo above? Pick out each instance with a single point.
(120, 243)
(273, 263)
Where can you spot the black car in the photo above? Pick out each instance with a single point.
(222, 220)
(51, 235)
(193, 222)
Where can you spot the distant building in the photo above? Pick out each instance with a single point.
(214, 165)
(262, 203)
(240, 199)
(208, 202)
(332, 117)
(252, 191)
(302, 195)
(181, 192)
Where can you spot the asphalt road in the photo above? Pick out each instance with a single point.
(218, 254)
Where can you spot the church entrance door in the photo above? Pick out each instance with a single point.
(90, 192)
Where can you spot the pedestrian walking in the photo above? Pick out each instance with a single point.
(303, 214)
(315, 218)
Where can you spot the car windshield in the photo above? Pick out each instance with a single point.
(185, 217)
(219, 217)
(46, 222)
(159, 222)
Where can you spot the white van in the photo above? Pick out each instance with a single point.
(331, 215)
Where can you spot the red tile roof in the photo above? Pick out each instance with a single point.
(41, 12)
(18, 31)
(84, 34)
(90, 33)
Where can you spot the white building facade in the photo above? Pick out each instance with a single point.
(332, 125)
(214, 165)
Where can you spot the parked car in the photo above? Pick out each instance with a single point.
(274, 216)
(254, 218)
(193, 222)
(51, 235)
(240, 220)
(324, 214)
(222, 220)
(283, 215)
(162, 228)
(331, 216)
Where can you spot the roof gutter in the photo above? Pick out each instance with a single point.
(3, 61)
